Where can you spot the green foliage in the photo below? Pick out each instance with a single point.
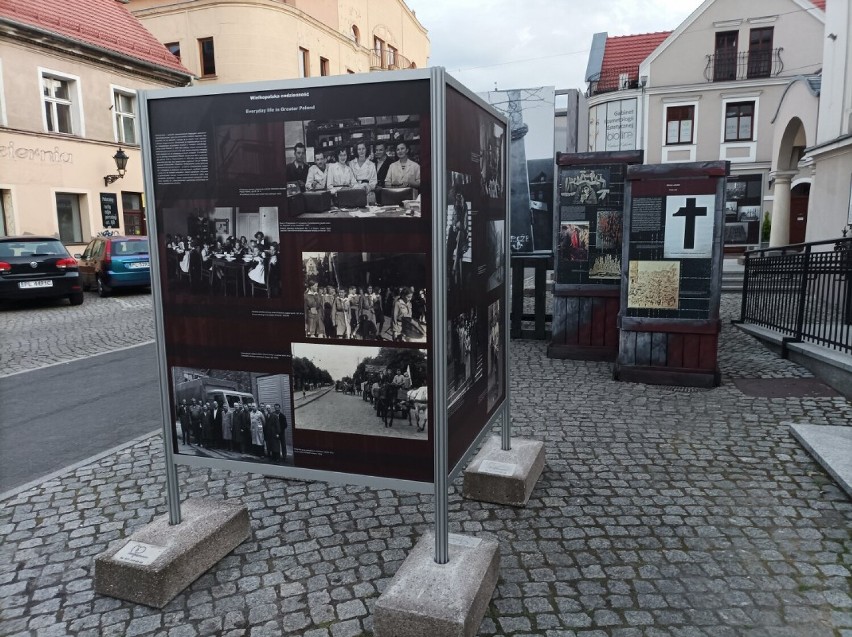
(304, 371)
(765, 228)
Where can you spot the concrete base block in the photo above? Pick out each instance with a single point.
(160, 560)
(440, 600)
(504, 477)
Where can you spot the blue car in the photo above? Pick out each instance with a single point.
(114, 262)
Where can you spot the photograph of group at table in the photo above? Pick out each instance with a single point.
(207, 261)
(358, 168)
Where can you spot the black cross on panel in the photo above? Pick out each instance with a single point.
(689, 213)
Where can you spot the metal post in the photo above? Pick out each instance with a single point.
(506, 438)
(438, 108)
(745, 289)
(803, 291)
(172, 489)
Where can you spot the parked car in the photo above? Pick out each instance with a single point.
(38, 267)
(115, 262)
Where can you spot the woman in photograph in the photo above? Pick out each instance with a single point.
(378, 312)
(328, 310)
(257, 273)
(314, 327)
(340, 315)
(367, 315)
(401, 314)
(354, 302)
(339, 175)
(363, 169)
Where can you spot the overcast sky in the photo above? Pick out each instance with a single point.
(528, 43)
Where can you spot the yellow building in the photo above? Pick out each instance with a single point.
(69, 75)
(226, 41)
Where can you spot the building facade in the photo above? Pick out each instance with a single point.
(69, 75)
(226, 41)
(735, 81)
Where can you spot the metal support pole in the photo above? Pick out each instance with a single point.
(506, 438)
(172, 489)
(438, 109)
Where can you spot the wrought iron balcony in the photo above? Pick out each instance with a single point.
(729, 66)
(387, 60)
(620, 79)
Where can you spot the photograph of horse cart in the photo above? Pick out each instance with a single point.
(374, 391)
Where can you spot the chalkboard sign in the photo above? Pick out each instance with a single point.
(109, 209)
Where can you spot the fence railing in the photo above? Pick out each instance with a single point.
(802, 291)
(726, 66)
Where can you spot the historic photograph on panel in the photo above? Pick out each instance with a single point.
(608, 230)
(496, 255)
(368, 296)
(371, 391)
(606, 266)
(233, 415)
(574, 241)
(459, 235)
(492, 163)
(364, 167)
(584, 186)
(653, 284)
(495, 354)
(221, 251)
(464, 365)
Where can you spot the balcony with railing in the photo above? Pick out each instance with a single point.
(388, 60)
(729, 66)
(619, 79)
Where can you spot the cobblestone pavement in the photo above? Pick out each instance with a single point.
(40, 334)
(661, 512)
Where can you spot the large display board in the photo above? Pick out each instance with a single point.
(531, 113)
(295, 225)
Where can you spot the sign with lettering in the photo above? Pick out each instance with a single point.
(109, 209)
(139, 553)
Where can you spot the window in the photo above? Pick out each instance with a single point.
(379, 51)
(739, 122)
(324, 67)
(760, 52)
(391, 57)
(124, 107)
(134, 215)
(68, 218)
(59, 107)
(174, 48)
(208, 59)
(725, 60)
(304, 63)
(3, 229)
(355, 34)
(680, 122)
(350, 71)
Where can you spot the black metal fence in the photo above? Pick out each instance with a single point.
(803, 291)
(727, 66)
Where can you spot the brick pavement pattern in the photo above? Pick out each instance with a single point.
(661, 512)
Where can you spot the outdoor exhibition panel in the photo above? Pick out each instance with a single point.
(588, 229)
(672, 274)
(330, 260)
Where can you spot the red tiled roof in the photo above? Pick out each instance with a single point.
(624, 53)
(820, 4)
(103, 23)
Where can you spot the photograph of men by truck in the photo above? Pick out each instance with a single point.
(367, 296)
(371, 391)
(222, 251)
(233, 415)
(365, 167)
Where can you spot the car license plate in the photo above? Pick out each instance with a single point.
(47, 283)
(138, 266)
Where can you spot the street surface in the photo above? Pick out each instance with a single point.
(68, 411)
(345, 413)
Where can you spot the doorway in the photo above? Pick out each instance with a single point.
(799, 196)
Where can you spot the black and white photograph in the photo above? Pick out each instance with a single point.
(464, 364)
(495, 354)
(371, 391)
(233, 415)
(459, 232)
(735, 189)
(748, 213)
(222, 251)
(367, 296)
(496, 255)
(364, 167)
(584, 186)
(492, 162)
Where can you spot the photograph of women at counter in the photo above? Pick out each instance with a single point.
(364, 167)
(365, 296)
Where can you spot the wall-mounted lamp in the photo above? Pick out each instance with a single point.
(121, 164)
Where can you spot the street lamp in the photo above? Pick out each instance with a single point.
(121, 164)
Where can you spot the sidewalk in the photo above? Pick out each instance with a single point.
(661, 511)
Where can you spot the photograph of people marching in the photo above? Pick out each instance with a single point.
(233, 415)
(365, 296)
(373, 391)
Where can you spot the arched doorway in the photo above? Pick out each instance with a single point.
(787, 227)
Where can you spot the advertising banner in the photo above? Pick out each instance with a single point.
(293, 233)
(476, 270)
(531, 114)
